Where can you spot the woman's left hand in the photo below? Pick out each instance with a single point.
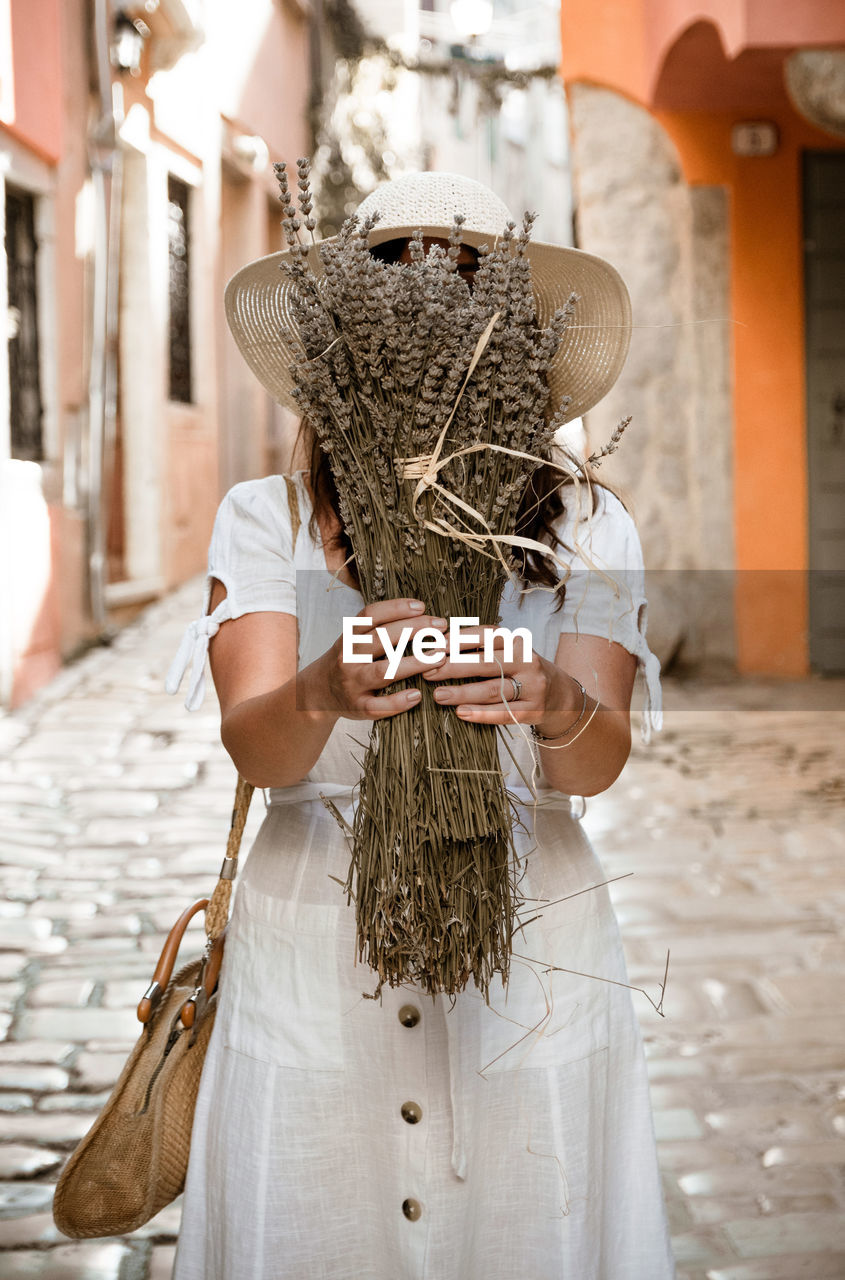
(545, 693)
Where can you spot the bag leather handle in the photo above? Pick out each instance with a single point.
(166, 961)
(209, 972)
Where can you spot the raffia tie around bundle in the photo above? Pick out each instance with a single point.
(425, 468)
(419, 468)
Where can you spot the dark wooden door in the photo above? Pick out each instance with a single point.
(25, 407)
(824, 244)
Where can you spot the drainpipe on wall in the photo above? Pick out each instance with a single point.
(106, 160)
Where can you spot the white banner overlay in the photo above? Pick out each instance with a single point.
(429, 644)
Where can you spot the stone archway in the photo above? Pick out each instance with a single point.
(815, 82)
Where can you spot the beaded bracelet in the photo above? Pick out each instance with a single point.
(541, 737)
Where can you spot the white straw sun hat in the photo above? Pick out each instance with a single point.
(594, 347)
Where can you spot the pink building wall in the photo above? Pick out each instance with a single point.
(248, 77)
(32, 105)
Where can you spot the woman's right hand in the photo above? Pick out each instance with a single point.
(354, 688)
(276, 720)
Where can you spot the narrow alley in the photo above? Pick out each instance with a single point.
(114, 804)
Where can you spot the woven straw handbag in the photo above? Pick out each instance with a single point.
(133, 1161)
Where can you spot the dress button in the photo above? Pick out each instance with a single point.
(409, 1015)
(412, 1209)
(411, 1112)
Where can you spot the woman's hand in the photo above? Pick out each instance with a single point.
(276, 720)
(547, 695)
(551, 700)
(355, 690)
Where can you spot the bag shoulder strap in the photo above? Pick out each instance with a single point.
(217, 912)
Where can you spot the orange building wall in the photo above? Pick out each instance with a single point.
(771, 516)
(768, 332)
(604, 42)
(621, 44)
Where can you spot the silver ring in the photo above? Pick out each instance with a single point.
(517, 688)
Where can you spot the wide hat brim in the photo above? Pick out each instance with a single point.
(258, 304)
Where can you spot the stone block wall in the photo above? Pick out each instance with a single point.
(673, 466)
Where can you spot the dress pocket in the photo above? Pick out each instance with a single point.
(280, 999)
(555, 1009)
(547, 1016)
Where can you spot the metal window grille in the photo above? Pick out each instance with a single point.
(26, 408)
(179, 238)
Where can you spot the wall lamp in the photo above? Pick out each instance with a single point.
(127, 42)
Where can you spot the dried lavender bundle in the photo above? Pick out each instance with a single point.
(385, 354)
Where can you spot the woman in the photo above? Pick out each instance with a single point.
(404, 1138)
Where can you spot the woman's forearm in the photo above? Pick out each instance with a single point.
(276, 738)
(594, 761)
(598, 752)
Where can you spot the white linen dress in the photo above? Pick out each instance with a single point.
(344, 1138)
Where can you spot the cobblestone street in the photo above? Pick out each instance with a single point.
(114, 803)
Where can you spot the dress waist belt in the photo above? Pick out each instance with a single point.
(305, 791)
(309, 791)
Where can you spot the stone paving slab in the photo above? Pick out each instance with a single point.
(747, 1062)
(113, 808)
